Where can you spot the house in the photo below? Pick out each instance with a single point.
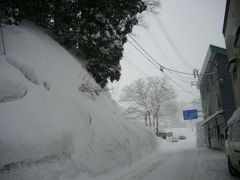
(231, 32)
(216, 95)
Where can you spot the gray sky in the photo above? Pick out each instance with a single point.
(192, 25)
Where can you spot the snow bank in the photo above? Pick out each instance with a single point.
(12, 83)
(235, 116)
(51, 129)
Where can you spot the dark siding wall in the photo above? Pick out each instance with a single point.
(218, 96)
(226, 90)
(231, 24)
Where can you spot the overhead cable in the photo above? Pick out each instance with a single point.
(160, 69)
(161, 66)
(170, 40)
(179, 85)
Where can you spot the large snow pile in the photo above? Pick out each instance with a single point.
(55, 123)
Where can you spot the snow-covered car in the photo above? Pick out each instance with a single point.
(233, 145)
(174, 139)
(181, 137)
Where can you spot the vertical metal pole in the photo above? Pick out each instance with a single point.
(192, 125)
(4, 50)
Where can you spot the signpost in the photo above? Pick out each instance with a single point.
(190, 115)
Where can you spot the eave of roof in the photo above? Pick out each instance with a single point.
(212, 50)
(212, 116)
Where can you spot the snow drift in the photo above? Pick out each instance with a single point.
(50, 127)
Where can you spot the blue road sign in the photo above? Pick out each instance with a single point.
(190, 114)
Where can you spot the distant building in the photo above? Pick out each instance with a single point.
(231, 32)
(216, 95)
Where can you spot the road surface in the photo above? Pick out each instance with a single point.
(180, 161)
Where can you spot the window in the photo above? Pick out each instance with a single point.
(219, 102)
(235, 73)
(211, 79)
(207, 87)
(202, 90)
(232, 64)
(237, 39)
(229, 133)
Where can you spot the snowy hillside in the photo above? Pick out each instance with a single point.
(51, 126)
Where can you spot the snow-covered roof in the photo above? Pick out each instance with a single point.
(212, 116)
(235, 116)
(212, 50)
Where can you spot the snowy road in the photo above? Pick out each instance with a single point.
(187, 164)
(180, 161)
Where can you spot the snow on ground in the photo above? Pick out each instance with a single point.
(49, 127)
(180, 160)
(13, 84)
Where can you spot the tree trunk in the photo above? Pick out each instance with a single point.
(153, 120)
(149, 118)
(145, 118)
(156, 116)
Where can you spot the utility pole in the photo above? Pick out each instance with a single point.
(195, 75)
(191, 125)
(3, 44)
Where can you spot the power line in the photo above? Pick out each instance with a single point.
(142, 53)
(155, 40)
(178, 85)
(179, 78)
(133, 65)
(170, 40)
(160, 69)
(176, 71)
(144, 50)
(184, 77)
(161, 66)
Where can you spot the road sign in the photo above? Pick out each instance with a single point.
(190, 114)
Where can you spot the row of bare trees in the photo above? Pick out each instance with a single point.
(151, 98)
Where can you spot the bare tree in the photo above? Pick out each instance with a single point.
(153, 6)
(132, 112)
(160, 93)
(135, 95)
(148, 98)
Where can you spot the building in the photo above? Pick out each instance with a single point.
(231, 32)
(216, 95)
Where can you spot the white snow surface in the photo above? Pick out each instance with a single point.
(49, 129)
(235, 116)
(180, 160)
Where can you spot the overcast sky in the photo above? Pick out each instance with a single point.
(190, 26)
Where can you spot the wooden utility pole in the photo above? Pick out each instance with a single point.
(3, 44)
